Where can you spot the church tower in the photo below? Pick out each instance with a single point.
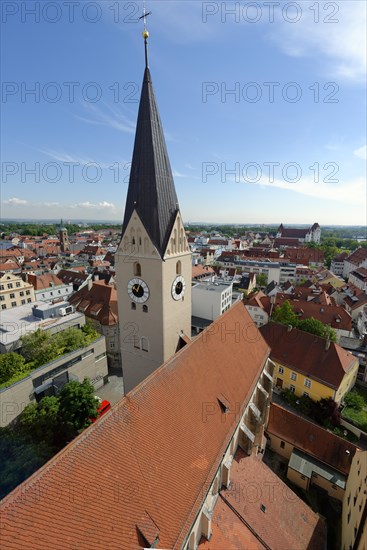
(153, 260)
(64, 238)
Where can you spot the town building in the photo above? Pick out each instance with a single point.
(337, 263)
(309, 365)
(358, 278)
(98, 302)
(304, 235)
(64, 238)
(14, 291)
(47, 380)
(153, 260)
(49, 288)
(357, 259)
(210, 300)
(201, 438)
(318, 458)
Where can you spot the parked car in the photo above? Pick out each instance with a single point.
(102, 409)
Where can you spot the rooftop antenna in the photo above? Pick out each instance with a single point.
(145, 33)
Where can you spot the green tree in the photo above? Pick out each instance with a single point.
(77, 406)
(285, 315)
(70, 340)
(39, 348)
(40, 421)
(355, 401)
(11, 364)
(20, 458)
(314, 326)
(261, 279)
(326, 412)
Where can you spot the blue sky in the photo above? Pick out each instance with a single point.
(263, 108)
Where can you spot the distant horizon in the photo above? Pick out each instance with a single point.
(53, 221)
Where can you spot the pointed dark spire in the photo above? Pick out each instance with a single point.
(151, 187)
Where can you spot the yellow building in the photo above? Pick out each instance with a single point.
(309, 365)
(14, 291)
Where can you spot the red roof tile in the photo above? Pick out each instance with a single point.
(153, 453)
(307, 354)
(311, 438)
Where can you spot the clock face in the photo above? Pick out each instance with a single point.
(178, 288)
(138, 290)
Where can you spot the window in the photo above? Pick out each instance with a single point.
(282, 444)
(178, 268)
(305, 394)
(13, 304)
(144, 343)
(307, 383)
(281, 370)
(292, 388)
(3, 306)
(10, 285)
(133, 305)
(293, 376)
(2, 298)
(12, 295)
(17, 285)
(136, 342)
(145, 309)
(2, 287)
(27, 292)
(21, 293)
(137, 269)
(23, 302)
(29, 300)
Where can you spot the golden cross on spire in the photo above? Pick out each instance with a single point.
(145, 32)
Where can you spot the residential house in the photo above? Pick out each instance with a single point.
(337, 263)
(309, 365)
(357, 259)
(14, 291)
(358, 278)
(98, 302)
(318, 458)
(48, 287)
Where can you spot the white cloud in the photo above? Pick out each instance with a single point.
(353, 191)
(177, 174)
(339, 36)
(111, 117)
(361, 152)
(15, 202)
(89, 205)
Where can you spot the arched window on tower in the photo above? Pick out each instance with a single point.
(178, 268)
(144, 343)
(137, 269)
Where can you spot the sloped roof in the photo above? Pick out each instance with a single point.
(151, 187)
(284, 523)
(41, 282)
(153, 453)
(99, 302)
(311, 438)
(307, 354)
(357, 257)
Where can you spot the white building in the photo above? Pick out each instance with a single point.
(209, 301)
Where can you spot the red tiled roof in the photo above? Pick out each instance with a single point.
(199, 270)
(357, 257)
(153, 453)
(41, 282)
(311, 438)
(229, 531)
(284, 523)
(99, 302)
(307, 354)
